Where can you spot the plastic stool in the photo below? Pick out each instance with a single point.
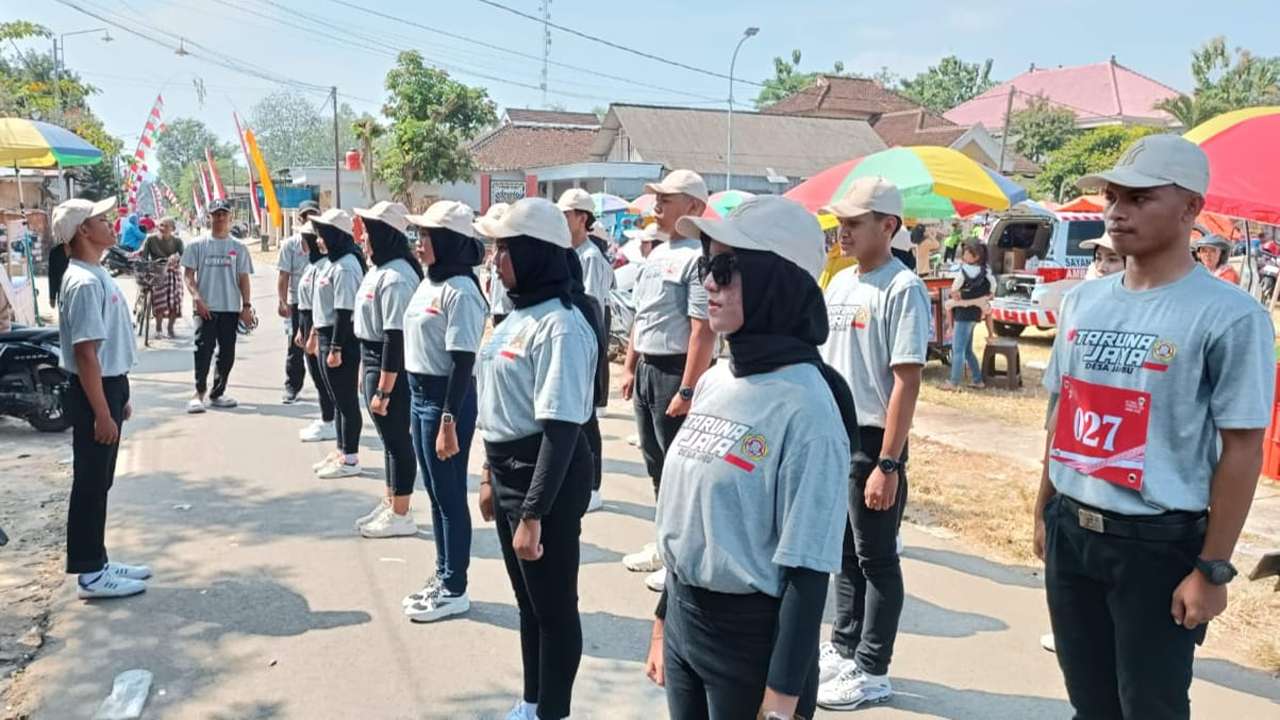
(1011, 376)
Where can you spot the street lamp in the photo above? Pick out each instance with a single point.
(61, 42)
(728, 173)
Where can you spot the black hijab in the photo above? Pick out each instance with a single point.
(387, 244)
(313, 249)
(340, 243)
(784, 322)
(589, 306)
(456, 255)
(542, 272)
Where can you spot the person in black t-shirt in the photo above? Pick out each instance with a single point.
(971, 292)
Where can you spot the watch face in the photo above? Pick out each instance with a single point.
(888, 466)
(1223, 573)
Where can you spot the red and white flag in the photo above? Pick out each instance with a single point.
(195, 199)
(215, 182)
(248, 161)
(207, 195)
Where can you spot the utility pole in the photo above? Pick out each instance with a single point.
(546, 46)
(728, 157)
(57, 91)
(337, 153)
(1004, 136)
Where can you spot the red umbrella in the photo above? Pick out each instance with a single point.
(1244, 163)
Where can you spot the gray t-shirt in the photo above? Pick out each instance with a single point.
(219, 263)
(537, 366)
(499, 301)
(668, 293)
(442, 318)
(756, 481)
(307, 283)
(384, 295)
(293, 259)
(1146, 380)
(336, 289)
(597, 273)
(91, 308)
(879, 320)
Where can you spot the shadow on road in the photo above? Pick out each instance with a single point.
(625, 638)
(940, 701)
(1012, 575)
(1238, 678)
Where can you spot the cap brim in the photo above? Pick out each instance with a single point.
(365, 213)
(842, 212)
(660, 189)
(306, 228)
(567, 208)
(1123, 177)
(722, 231)
(102, 207)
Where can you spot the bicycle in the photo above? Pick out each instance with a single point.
(148, 274)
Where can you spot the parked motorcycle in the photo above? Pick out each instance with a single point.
(1269, 269)
(33, 386)
(118, 261)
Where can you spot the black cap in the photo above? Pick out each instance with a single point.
(219, 204)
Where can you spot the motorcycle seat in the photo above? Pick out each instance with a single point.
(22, 333)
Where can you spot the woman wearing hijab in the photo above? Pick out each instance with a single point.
(535, 385)
(321, 430)
(751, 516)
(443, 329)
(338, 348)
(379, 323)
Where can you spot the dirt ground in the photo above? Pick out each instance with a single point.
(1016, 407)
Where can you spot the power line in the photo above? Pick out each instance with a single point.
(614, 45)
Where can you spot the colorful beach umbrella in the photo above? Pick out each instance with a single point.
(722, 203)
(607, 203)
(35, 144)
(644, 203)
(936, 182)
(1244, 154)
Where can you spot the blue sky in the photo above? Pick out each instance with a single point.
(905, 36)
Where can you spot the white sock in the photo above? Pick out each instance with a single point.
(350, 459)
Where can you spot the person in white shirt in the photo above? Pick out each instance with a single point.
(292, 261)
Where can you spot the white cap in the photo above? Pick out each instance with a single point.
(306, 228)
(335, 217)
(1154, 161)
(447, 214)
(1103, 242)
(902, 240)
(770, 223)
(70, 215)
(392, 213)
(680, 182)
(867, 194)
(533, 216)
(577, 199)
(495, 212)
(599, 230)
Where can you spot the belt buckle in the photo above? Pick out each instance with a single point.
(1089, 519)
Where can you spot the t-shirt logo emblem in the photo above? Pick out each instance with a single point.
(755, 447)
(1162, 354)
(861, 317)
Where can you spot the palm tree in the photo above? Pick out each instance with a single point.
(367, 130)
(1189, 110)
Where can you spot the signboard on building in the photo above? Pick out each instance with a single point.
(505, 191)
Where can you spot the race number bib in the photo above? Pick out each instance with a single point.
(1102, 432)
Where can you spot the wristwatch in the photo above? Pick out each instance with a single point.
(889, 466)
(1218, 572)
(446, 419)
(381, 395)
(686, 393)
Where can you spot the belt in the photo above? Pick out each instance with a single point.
(671, 364)
(1165, 527)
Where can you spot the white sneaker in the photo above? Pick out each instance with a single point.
(596, 502)
(523, 711)
(107, 585)
(339, 469)
(224, 401)
(647, 560)
(657, 581)
(633, 440)
(437, 607)
(389, 525)
(851, 689)
(1048, 643)
(318, 431)
(368, 517)
(831, 663)
(132, 572)
(432, 587)
(195, 406)
(326, 461)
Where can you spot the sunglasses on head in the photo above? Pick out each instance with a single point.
(720, 267)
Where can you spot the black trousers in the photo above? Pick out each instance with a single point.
(324, 397)
(220, 331)
(591, 431)
(341, 383)
(716, 651)
(1121, 654)
(869, 589)
(658, 379)
(546, 589)
(295, 366)
(393, 428)
(93, 473)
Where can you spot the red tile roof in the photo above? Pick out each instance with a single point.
(1100, 93)
(837, 96)
(522, 116)
(916, 127)
(516, 147)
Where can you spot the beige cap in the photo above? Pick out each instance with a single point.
(70, 215)
(334, 217)
(576, 199)
(680, 182)
(533, 216)
(1154, 161)
(495, 212)
(867, 194)
(447, 214)
(599, 230)
(1103, 242)
(392, 213)
(770, 223)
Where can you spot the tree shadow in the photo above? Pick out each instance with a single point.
(630, 509)
(1011, 575)
(921, 617)
(625, 467)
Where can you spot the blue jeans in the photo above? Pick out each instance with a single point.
(962, 354)
(445, 480)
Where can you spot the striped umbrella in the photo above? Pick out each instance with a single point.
(607, 203)
(35, 144)
(1244, 152)
(936, 182)
(722, 203)
(644, 203)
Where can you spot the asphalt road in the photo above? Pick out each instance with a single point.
(266, 604)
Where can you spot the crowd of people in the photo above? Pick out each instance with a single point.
(776, 467)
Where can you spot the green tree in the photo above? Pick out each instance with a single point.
(1224, 81)
(292, 131)
(949, 83)
(181, 147)
(432, 118)
(1040, 128)
(367, 131)
(787, 80)
(1091, 151)
(1189, 110)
